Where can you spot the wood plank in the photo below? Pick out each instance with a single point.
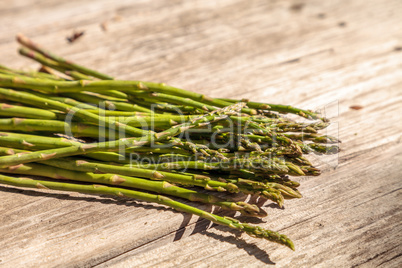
(262, 50)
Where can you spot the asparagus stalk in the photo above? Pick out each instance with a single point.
(68, 64)
(99, 96)
(286, 191)
(313, 137)
(46, 62)
(110, 104)
(53, 126)
(41, 59)
(51, 86)
(174, 99)
(85, 166)
(77, 75)
(180, 178)
(56, 61)
(279, 108)
(130, 86)
(264, 177)
(23, 40)
(264, 190)
(318, 148)
(252, 149)
(80, 113)
(109, 113)
(32, 74)
(166, 108)
(8, 110)
(274, 166)
(33, 142)
(188, 179)
(69, 101)
(162, 88)
(136, 183)
(254, 231)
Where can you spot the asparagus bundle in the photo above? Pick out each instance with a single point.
(68, 122)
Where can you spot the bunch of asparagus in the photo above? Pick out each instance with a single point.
(151, 141)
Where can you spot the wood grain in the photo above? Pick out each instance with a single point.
(327, 55)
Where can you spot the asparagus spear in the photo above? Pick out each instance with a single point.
(254, 231)
(166, 89)
(23, 40)
(61, 68)
(313, 137)
(264, 177)
(264, 190)
(35, 142)
(227, 165)
(80, 113)
(85, 166)
(32, 142)
(41, 59)
(110, 104)
(110, 113)
(8, 110)
(149, 138)
(174, 99)
(262, 148)
(32, 74)
(53, 126)
(167, 108)
(279, 108)
(127, 86)
(69, 101)
(136, 183)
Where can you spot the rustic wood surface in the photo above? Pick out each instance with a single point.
(316, 54)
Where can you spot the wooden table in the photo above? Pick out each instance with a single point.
(326, 55)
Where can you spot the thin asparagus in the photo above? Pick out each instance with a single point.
(8, 110)
(279, 108)
(23, 40)
(254, 231)
(264, 190)
(80, 113)
(53, 126)
(162, 187)
(245, 147)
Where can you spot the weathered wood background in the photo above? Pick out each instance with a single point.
(313, 54)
